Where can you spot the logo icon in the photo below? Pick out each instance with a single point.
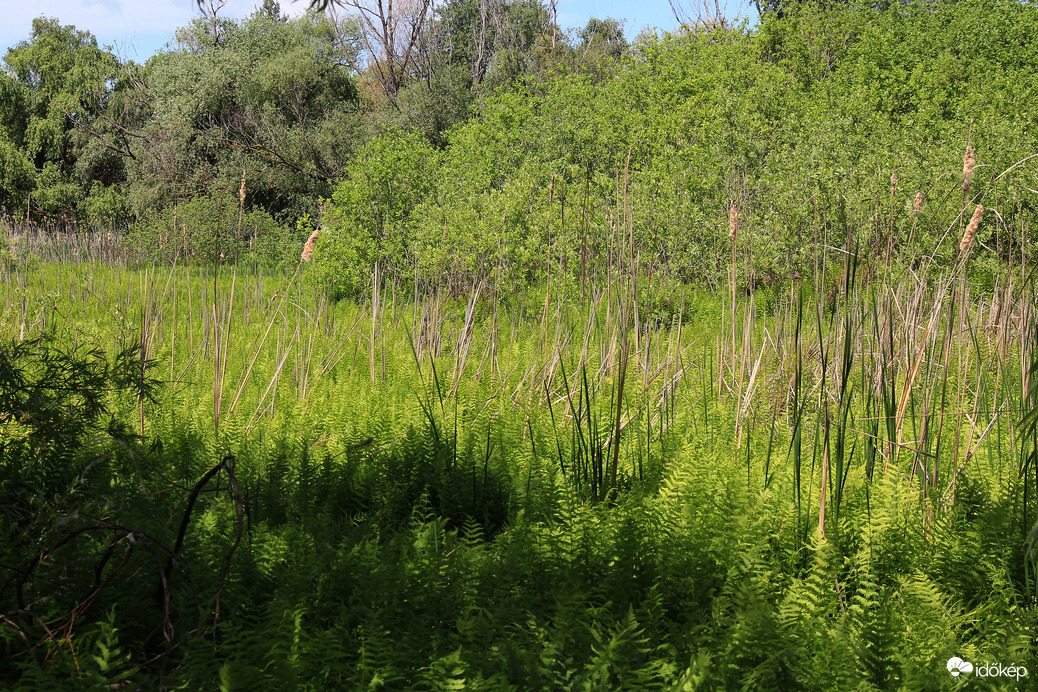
(956, 666)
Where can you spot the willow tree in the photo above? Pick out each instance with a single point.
(57, 83)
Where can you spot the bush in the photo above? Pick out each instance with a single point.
(17, 177)
(104, 207)
(369, 220)
(208, 230)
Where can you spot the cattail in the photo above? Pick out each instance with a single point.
(241, 190)
(308, 249)
(893, 183)
(971, 229)
(967, 168)
(917, 206)
(733, 222)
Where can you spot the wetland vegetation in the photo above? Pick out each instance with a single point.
(704, 361)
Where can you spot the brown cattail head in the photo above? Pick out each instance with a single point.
(917, 205)
(308, 249)
(971, 229)
(733, 221)
(241, 190)
(893, 183)
(967, 168)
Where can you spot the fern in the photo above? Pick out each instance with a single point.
(111, 665)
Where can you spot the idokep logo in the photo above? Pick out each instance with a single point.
(957, 667)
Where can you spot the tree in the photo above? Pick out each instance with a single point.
(492, 37)
(17, 178)
(605, 36)
(390, 38)
(519, 26)
(210, 8)
(370, 219)
(57, 81)
(707, 15)
(463, 33)
(274, 98)
(272, 9)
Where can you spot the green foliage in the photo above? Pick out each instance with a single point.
(425, 525)
(605, 36)
(821, 481)
(52, 400)
(798, 124)
(59, 79)
(496, 52)
(434, 106)
(371, 221)
(13, 113)
(17, 177)
(55, 195)
(549, 142)
(212, 230)
(104, 207)
(275, 98)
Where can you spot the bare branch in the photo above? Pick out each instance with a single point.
(392, 33)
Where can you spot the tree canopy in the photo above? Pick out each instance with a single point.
(513, 131)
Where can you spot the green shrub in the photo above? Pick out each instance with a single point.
(104, 207)
(208, 230)
(369, 221)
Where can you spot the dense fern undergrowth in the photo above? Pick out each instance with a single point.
(268, 490)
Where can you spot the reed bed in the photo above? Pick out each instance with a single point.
(916, 375)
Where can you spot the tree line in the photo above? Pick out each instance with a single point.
(88, 138)
(478, 139)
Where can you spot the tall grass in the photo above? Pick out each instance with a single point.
(907, 371)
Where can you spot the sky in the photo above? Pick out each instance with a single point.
(136, 29)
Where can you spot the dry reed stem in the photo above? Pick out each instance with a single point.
(968, 162)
